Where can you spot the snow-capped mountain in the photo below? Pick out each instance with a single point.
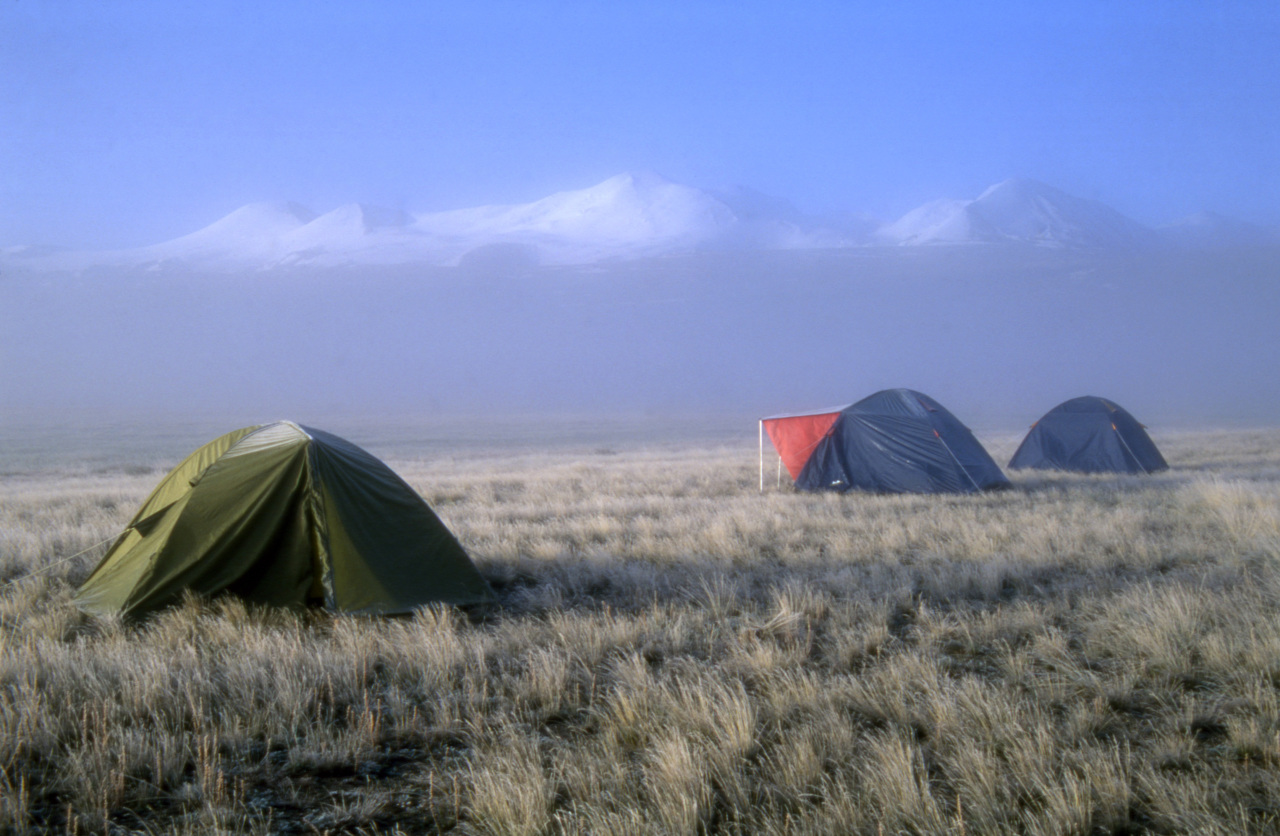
(627, 216)
(625, 208)
(938, 221)
(631, 216)
(254, 233)
(1018, 210)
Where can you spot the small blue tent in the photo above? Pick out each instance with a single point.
(898, 441)
(1089, 435)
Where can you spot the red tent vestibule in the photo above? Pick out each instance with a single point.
(795, 436)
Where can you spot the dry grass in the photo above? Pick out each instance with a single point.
(678, 653)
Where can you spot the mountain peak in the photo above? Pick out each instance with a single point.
(1021, 189)
(363, 217)
(642, 179)
(1019, 210)
(630, 210)
(248, 234)
(268, 214)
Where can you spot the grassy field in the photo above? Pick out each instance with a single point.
(676, 653)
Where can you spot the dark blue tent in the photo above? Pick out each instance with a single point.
(899, 441)
(1089, 435)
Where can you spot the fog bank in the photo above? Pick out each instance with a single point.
(998, 335)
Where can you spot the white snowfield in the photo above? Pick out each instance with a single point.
(634, 215)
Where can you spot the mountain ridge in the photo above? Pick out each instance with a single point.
(635, 215)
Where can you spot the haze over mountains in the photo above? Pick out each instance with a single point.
(643, 296)
(637, 215)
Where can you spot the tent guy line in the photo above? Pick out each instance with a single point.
(45, 568)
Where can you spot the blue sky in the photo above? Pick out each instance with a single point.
(128, 123)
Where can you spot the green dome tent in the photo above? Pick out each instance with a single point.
(284, 515)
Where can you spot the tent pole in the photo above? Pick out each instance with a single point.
(761, 426)
(947, 447)
(1115, 430)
